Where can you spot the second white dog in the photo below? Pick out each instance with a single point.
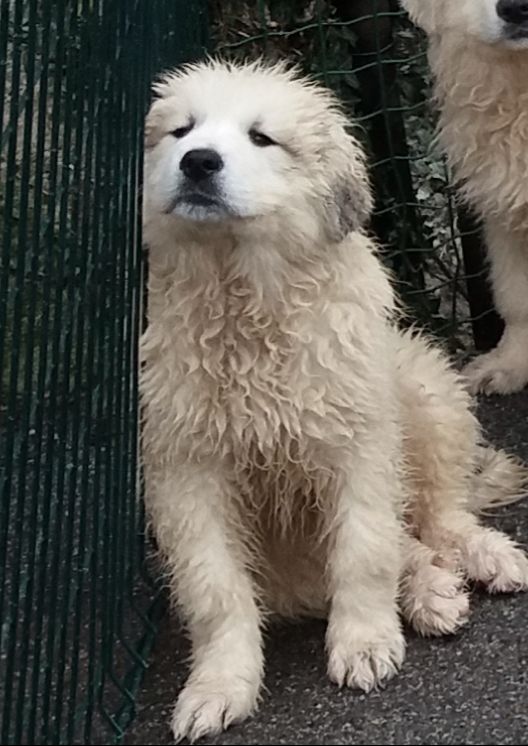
(479, 57)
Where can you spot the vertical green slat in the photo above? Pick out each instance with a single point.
(90, 283)
(6, 383)
(72, 575)
(113, 232)
(60, 363)
(10, 614)
(45, 414)
(21, 605)
(98, 329)
(4, 25)
(37, 206)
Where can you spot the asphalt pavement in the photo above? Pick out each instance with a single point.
(468, 689)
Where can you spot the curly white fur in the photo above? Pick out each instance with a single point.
(302, 456)
(481, 74)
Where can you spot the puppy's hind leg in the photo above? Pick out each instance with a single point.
(444, 515)
(433, 598)
(206, 559)
(485, 555)
(444, 455)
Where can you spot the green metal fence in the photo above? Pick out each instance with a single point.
(77, 606)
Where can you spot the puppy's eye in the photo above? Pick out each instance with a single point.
(260, 139)
(180, 132)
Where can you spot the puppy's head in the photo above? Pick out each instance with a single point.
(253, 144)
(499, 22)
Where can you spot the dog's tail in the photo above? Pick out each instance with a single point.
(500, 479)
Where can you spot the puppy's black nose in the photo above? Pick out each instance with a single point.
(201, 163)
(513, 11)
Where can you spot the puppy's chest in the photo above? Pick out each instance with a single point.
(240, 350)
(225, 371)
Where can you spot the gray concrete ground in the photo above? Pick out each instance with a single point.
(469, 689)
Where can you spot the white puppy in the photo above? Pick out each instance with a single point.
(288, 424)
(479, 57)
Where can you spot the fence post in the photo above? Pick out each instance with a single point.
(487, 325)
(380, 103)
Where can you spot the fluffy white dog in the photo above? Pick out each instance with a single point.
(302, 456)
(479, 57)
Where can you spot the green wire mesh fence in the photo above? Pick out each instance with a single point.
(76, 612)
(77, 607)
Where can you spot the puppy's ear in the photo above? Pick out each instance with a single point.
(154, 122)
(349, 202)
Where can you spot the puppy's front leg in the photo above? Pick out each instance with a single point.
(364, 637)
(190, 512)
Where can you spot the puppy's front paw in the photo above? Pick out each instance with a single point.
(364, 658)
(207, 707)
